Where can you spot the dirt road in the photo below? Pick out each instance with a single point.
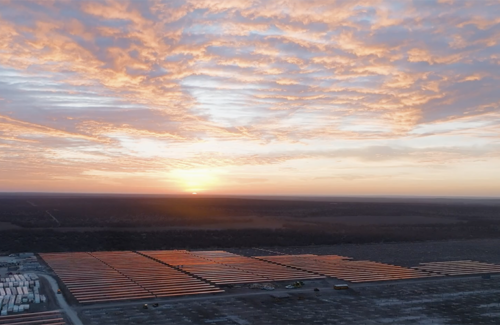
(62, 301)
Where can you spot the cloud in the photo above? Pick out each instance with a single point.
(112, 85)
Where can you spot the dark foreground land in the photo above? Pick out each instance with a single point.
(51, 223)
(460, 299)
(441, 300)
(456, 301)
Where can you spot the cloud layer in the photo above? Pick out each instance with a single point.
(261, 97)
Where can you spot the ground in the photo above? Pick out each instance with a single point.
(468, 300)
(399, 232)
(450, 300)
(442, 300)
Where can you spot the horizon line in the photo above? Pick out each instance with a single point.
(372, 196)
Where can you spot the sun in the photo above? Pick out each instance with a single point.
(194, 181)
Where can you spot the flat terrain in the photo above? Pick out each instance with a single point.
(436, 300)
(457, 301)
(52, 211)
(370, 220)
(450, 300)
(8, 226)
(401, 232)
(52, 223)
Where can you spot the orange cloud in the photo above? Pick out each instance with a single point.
(142, 88)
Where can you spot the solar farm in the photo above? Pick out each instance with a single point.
(112, 276)
(220, 267)
(230, 287)
(98, 277)
(466, 267)
(346, 269)
(42, 318)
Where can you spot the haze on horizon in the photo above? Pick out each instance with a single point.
(250, 97)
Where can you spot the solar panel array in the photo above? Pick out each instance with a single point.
(89, 280)
(204, 268)
(111, 276)
(160, 280)
(43, 318)
(272, 272)
(343, 268)
(222, 267)
(127, 276)
(459, 267)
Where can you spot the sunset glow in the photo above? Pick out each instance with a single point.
(288, 97)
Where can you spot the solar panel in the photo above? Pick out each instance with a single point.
(270, 271)
(464, 267)
(221, 267)
(90, 280)
(204, 268)
(112, 276)
(160, 280)
(42, 318)
(344, 268)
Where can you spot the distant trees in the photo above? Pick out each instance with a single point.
(173, 212)
(58, 241)
(479, 221)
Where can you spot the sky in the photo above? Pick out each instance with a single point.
(312, 97)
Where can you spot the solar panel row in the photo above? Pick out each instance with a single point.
(368, 271)
(160, 280)
(204, 268)
(343, 268)
(109, 276)
(89, 280)
(43, 318)
(459, 267)
(272, 272)
(112, 276)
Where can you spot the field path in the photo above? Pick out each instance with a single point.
(55, 219)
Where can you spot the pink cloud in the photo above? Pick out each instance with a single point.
(194, 76)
